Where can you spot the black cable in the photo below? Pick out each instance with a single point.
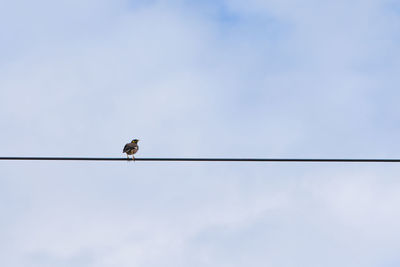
(201, 159)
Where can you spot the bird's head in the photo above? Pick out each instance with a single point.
(135, 141)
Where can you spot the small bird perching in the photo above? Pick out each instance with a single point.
(131, 148)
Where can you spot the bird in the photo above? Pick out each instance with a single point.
(131, 148)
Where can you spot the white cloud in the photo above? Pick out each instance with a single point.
(255, 78)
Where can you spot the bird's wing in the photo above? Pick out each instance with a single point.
(126, 148)
(129, 146)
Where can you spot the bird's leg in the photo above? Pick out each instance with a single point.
(133, 157)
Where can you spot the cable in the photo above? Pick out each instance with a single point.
(200, 159)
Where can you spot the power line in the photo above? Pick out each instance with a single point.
(200, 159)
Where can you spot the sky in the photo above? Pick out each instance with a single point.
(222, 78)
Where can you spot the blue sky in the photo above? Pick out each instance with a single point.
(212, 78)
